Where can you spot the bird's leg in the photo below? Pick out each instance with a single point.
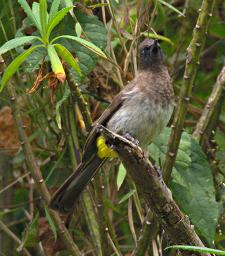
(131, 138)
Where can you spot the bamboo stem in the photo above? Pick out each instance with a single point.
(192, 62)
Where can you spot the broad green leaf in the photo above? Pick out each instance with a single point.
(121, 175)
(18, 41)
(51, 222)
(90, 46)
(65, 96)
(196, 249)
(78, 29)
(30, 234)
(29, 13)
(43, 16)
(171, 7)
(68, 57)
(54, 9)
(127, 196)
(57, 19)
(192, 182)
(154, 36)
(13, 66)
(56, 63)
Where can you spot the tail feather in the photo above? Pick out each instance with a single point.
(64, 198)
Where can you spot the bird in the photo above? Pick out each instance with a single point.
(140, 112)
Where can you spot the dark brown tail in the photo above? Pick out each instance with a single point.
(65, 197)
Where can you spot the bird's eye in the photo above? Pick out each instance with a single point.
(147, 48)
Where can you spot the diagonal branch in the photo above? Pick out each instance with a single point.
(192, 62)
(151, 186)
(210, 107)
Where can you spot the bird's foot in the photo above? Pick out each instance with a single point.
(132, 139)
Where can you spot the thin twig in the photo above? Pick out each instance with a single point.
(210, 107)
(5, 229)
(192, 61)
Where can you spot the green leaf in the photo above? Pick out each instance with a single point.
(93, 6)
(54, 9)
(57, 19)
(43, 16)
(16, 42)
(95, 32)
(196, 249)
(36, 13)
(59, 104)
(154, 36)
(192, 182)
(51, 222)
(30, 235)
(90, 46)
(127, 196)
(121, 175)
(68, 57)
(13, 66)
(56, 63)
(68, 2)
(171, 7)
(78, 29)
(29, 13)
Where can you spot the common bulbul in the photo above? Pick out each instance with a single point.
(140, 111)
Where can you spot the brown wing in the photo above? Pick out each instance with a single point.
(90, 145)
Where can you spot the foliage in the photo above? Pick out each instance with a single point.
(51, 43)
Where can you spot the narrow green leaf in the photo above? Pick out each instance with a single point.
(85, 43)
(68, 2)
(36, 13)
(30, 234)
(68, 57)
(29, 13)
(154, 36)
(121, 175)
(93, 6)
(128, 195)
(56, 63)
(43, 16)
(13, 66)
(54, 9)
(57, 19)
(78, 29)
(196, 249)
(16, 42)
(66, 94)
(171, 7)
(51, 223)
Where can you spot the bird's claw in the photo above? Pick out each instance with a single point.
(132, 139)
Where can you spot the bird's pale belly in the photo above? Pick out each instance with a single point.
(143, 121)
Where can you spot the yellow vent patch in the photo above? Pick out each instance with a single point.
(103, 150)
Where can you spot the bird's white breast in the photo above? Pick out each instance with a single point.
(141, 117)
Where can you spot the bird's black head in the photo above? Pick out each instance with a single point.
(151, 55)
